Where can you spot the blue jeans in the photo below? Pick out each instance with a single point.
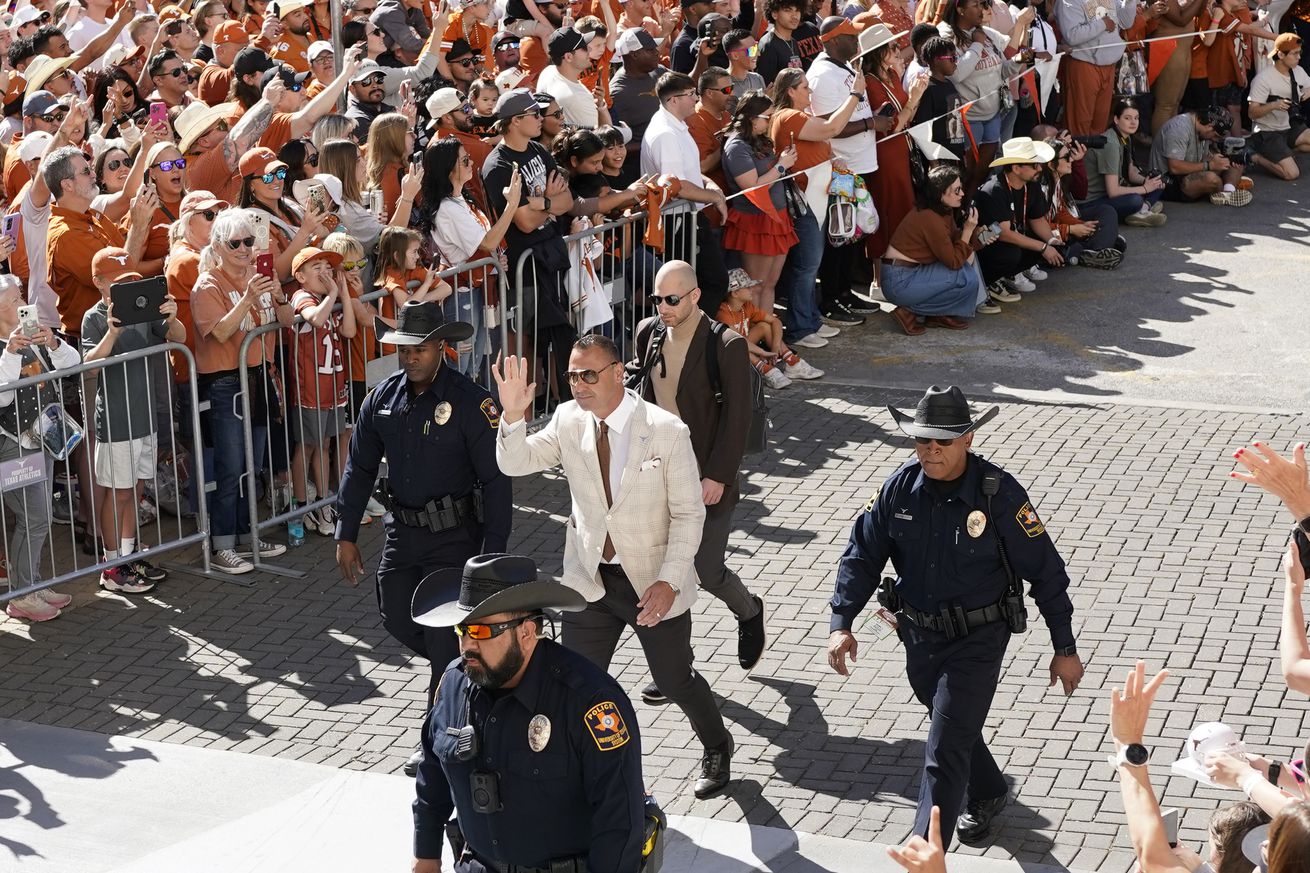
(932, 289)
(1126, 204)
(229, 516)
(798, 278)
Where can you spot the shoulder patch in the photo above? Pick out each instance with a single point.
(868, 507)
(1028, 520)
(606, 726)
(492, 413)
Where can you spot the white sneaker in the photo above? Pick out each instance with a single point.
(229, 562)
(803, 370)
(827, 331)
(999, 292)
(811, 341)
(1035, 273)
(988, 307)
(1022, 284)
(375, 509)
(32, 608)
(327, 521)
(775, 379)
(54, 598)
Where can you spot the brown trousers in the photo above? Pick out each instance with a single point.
(1088, 92)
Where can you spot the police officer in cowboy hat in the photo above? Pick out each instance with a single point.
(962, 536)
(533, 746)
(447, 498)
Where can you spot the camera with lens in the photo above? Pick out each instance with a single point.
(1295, 114)
(1094, 141)
(1235, 149)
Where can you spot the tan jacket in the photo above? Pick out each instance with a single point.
(657, 516)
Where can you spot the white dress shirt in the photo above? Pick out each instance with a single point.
(668, 148)
(620, 436)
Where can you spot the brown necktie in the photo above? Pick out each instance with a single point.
(603, 456)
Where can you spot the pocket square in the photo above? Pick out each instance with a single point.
(652, 464)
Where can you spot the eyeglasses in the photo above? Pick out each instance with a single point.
(491, 631)
(591, 377)
(354, 265)
(685, 94)
(507, 45)
(750, 52)
(294, 86)
(209, 214)
(725, 90)
(168, 166)
(950, 56)
(113, 165)
(248, 242)
(192, 77)
(923, 441)
(62, 74)
(56, 117)
(375, 79)
(267, 178)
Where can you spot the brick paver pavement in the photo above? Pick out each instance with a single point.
(1171, 562)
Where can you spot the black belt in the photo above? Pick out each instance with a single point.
(953, 621)
(901, 262)
(438, 516)
(563, 865)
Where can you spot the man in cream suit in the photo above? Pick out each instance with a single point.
(631, 541)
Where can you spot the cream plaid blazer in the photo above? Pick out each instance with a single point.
(657, 516)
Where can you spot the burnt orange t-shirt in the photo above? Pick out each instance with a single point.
(278, 133)
(208, 171)
(532, 60)
(182, 271)
(15, 174)
(213, 297)
(478, 37)
(785, 130)
(72, 241)
(364, 344)
(293, 50)
(157, 238)
(599, 74)
(705, 129)
(215, 84)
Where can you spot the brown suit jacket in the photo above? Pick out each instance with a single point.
(718, 431)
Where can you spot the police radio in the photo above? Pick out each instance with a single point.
(1013, 607)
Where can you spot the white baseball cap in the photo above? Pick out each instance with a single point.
(33, 145)
(317, 48)
(1212, 736)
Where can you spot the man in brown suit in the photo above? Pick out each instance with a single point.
(672, 346)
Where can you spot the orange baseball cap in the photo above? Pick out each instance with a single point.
(310, 253)
(110, 265)
(231, 33)
(258, 161)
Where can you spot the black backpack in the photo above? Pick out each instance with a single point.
(757, 436)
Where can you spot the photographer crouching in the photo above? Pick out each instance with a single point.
(1276, 110)
(1197, 158)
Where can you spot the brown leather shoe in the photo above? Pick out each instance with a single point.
(950, 322)
(909, 324)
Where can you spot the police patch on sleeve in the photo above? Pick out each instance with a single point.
(607, 727)
(1028, 520)
(489, 409)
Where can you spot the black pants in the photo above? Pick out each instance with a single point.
(682, 233)
(594, 633)
(409, 554)
(715, 575)
(956, 680)
(837, 272)
(1107, 230)
(1001, 261)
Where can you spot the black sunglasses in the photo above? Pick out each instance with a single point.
(667, 299)
(248, 242)
(375, 79)
(469, 61)
(591, 377)
(175, 72)
(923, 441)
(56, 117)
(312, 160)
(113, 165)
(209, 214)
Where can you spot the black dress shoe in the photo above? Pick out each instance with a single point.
(412, 762)
(651, 694)
(976, 822)
(751, 638)
(715, 771)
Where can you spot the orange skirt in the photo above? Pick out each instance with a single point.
(758, 234)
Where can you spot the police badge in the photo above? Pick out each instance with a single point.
(538, 732)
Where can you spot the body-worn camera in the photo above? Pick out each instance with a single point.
(1092, 141)
(484, 789)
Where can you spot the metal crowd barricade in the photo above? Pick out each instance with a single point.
(31, 474)
(473, 285)
(611, 275)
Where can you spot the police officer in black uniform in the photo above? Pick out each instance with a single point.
(448, 498)
(532, 745)
(962, 535)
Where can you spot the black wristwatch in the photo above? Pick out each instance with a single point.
(545, 200)
(1066, 651)
(1304, 524)
(1133, 754)
(1275, 770)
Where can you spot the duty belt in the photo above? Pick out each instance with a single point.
(439, 515)
(953, 621)
(562, 865)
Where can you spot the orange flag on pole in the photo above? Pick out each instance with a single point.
(760, 199)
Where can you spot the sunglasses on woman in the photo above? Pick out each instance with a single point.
(115, 164)
(312, 160)
(267, 178)
(248, 242)
(558, 113)
(167, 166)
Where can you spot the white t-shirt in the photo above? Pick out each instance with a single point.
(573, 97)
(457, 231)
(1269, 85)
(831, 84)
(85, 30)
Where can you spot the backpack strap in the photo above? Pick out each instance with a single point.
(717, 329)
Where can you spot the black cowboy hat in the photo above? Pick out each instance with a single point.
(488, 585)
(942, 414)
(419, 322)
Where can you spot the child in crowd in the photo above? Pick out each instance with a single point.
(319, 413)
(124, 417)
(483, 95)
(402, 276)
(763, 332)
(616, 152)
